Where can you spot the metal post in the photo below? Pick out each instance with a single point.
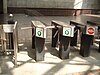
(15, 40)
(33, 38)
(99, 47)
(74, 39)
(54, 37)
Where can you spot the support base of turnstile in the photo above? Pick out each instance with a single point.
(86, 41)
(64, 54)
(40, 56)
(64, 48)
(39, 47)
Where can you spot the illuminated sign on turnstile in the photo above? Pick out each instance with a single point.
(40, 32)
(90, 30)
(68, 31)
(61, 37)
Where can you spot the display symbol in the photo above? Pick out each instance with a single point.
(39, 33)
(91, 30)
(66, 32)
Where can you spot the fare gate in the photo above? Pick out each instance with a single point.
(87, 40)
(9, 40)
(61, 35)
(38, 38)
(87, 35)
(96, 23)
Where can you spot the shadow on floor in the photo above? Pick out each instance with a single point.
(4, 67)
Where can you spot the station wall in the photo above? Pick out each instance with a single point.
(78, 4)
(53, 7)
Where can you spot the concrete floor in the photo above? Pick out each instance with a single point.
(52, 64)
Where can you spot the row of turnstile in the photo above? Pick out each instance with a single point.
(63, 36)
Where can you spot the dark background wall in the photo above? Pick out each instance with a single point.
(1, 6)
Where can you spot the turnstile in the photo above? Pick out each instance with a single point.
(38, 39)
(96, 23)
(61, 35)
(87, 40)
(87, 35)
(9, 39)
